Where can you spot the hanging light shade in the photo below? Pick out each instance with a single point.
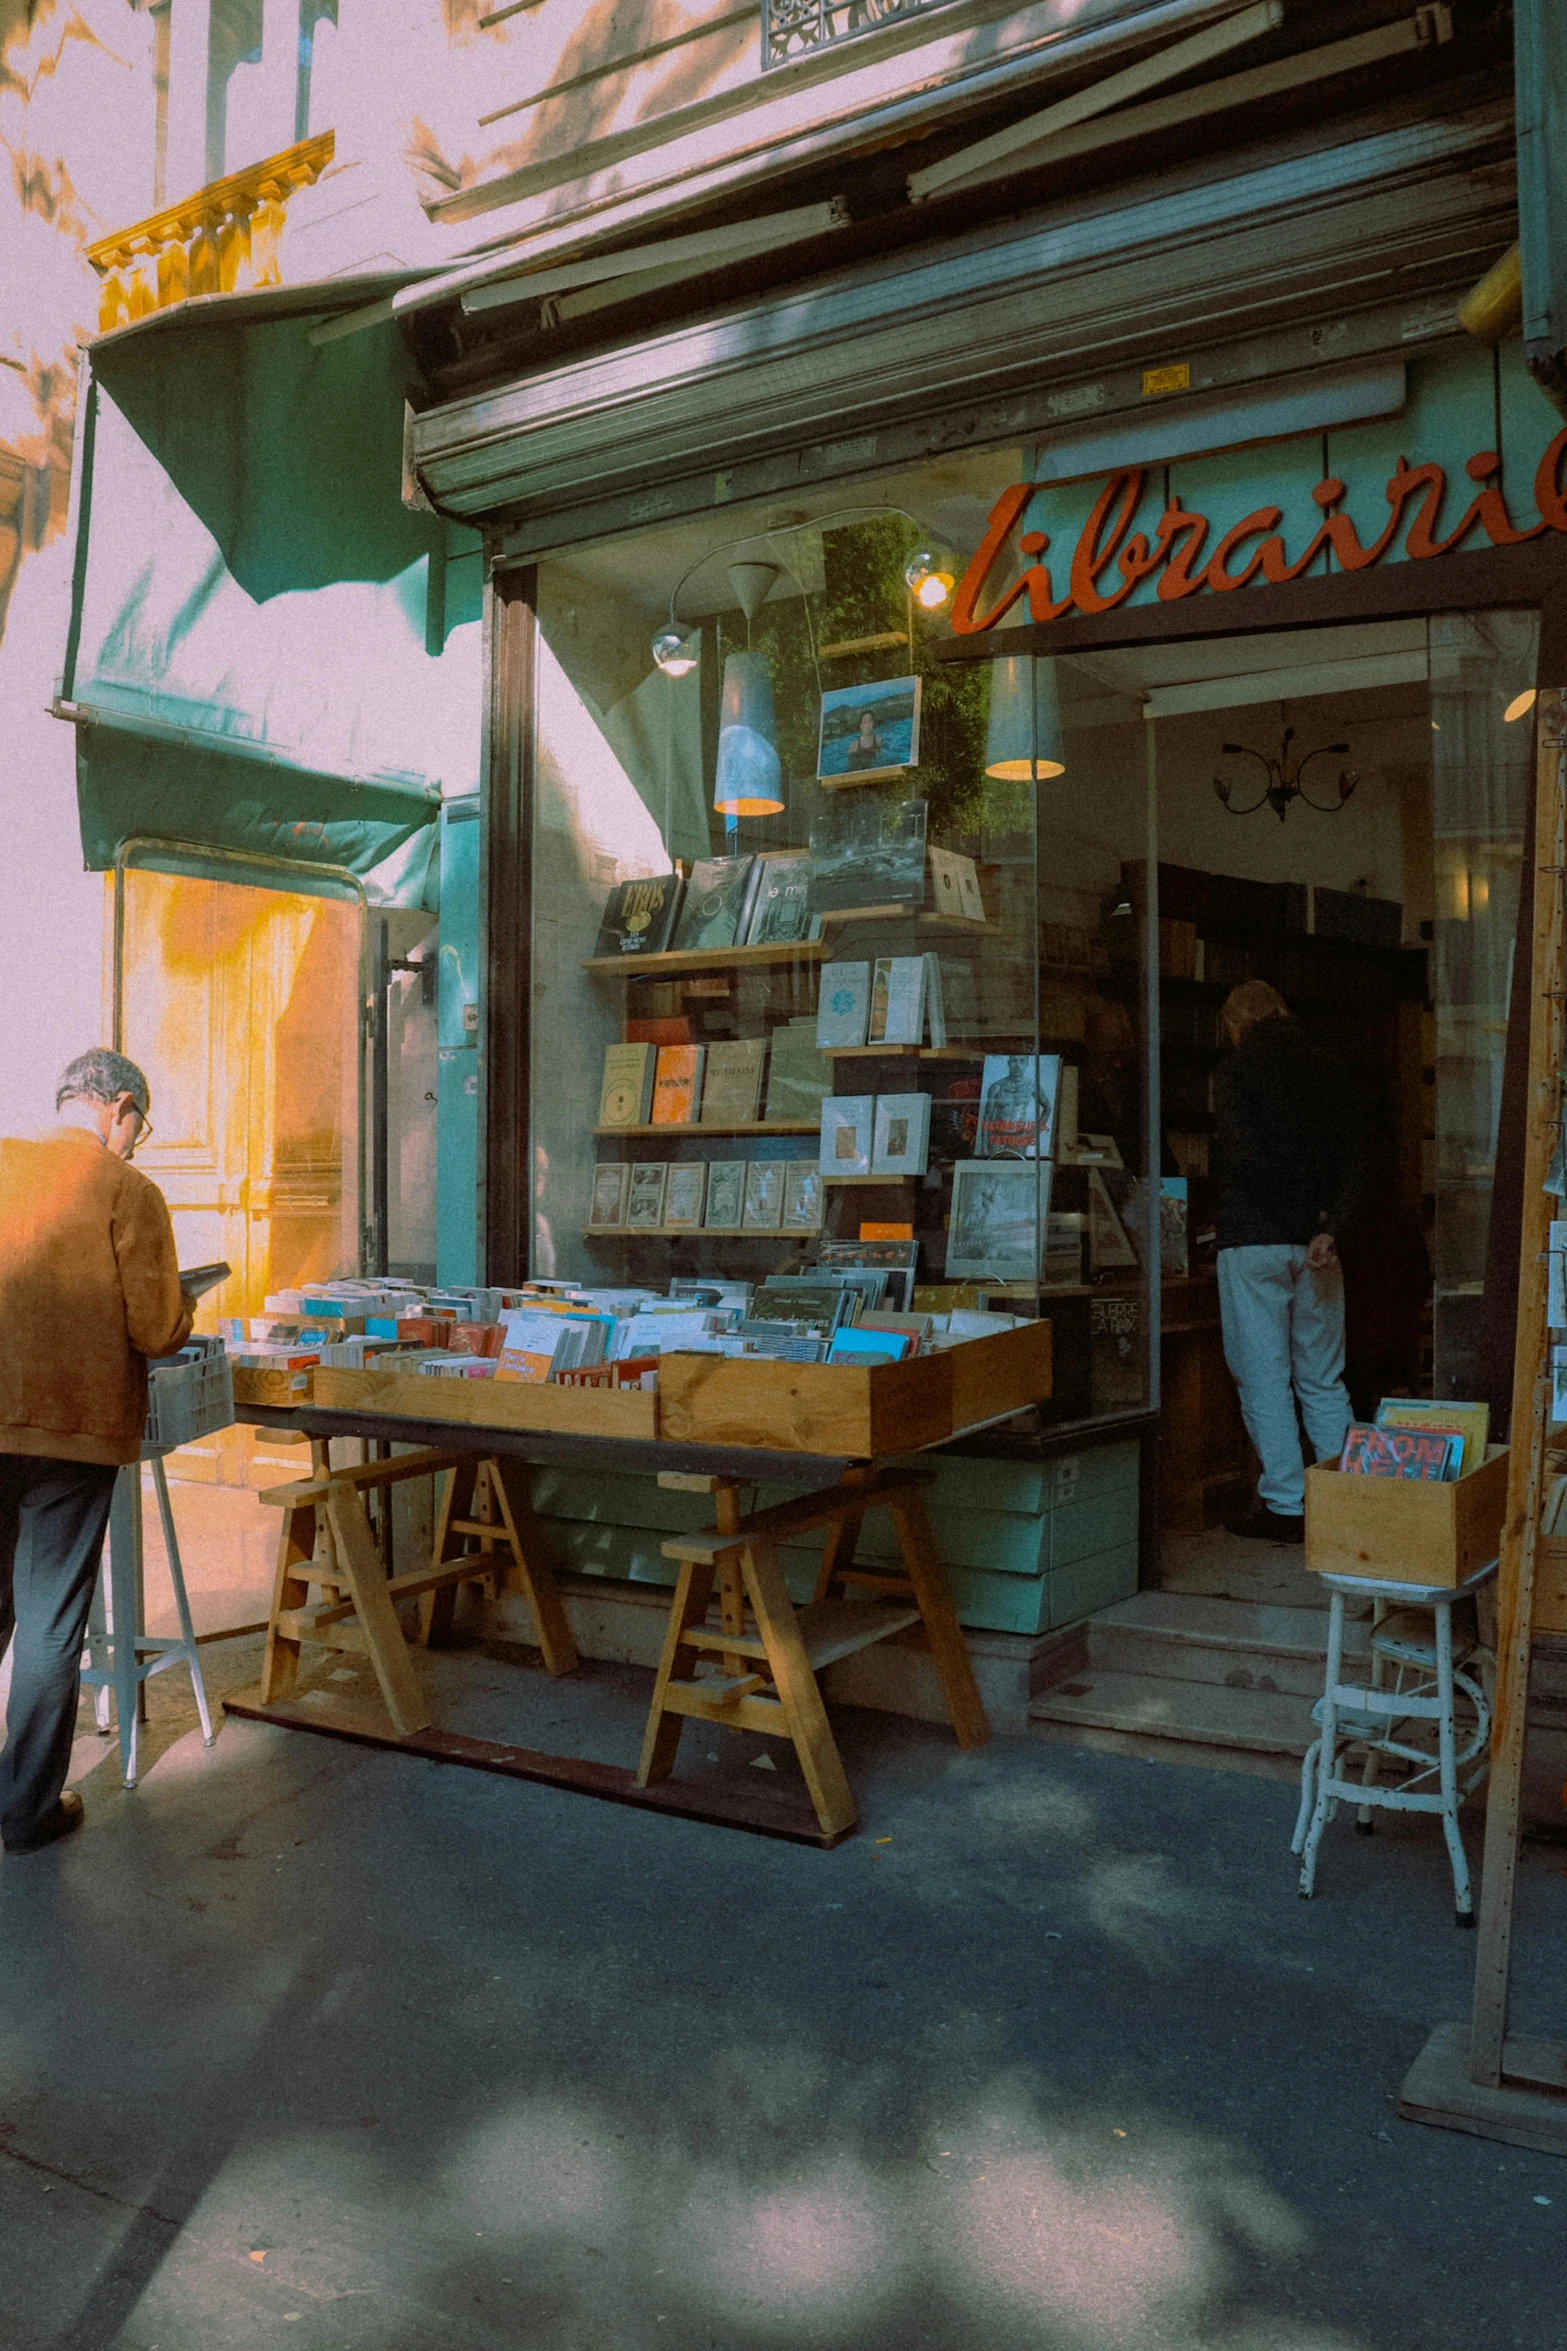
(750, 779)
(675, 654)
(1023, 743)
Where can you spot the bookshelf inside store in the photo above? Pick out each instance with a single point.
(823, 988)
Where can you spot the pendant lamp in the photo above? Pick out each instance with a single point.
(750, 778)
(1023, 742)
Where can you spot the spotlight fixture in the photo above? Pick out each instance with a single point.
(673, 653)
(930, 582)
(1283, 778)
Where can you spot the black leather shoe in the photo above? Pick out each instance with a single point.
(1261, 1525)
(67, 1815)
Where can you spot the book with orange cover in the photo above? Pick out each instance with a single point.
(1472, 1422)
(677, 1087)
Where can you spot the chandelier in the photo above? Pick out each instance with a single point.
(1284, 778)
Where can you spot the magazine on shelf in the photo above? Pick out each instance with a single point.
(717, 903)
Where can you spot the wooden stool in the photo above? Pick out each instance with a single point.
(489, 1500)
(767, 1680)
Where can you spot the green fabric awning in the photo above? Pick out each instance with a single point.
(260, 658)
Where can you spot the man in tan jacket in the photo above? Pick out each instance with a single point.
(89, 1288)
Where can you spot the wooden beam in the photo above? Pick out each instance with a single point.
(824, 1507)
(1531, 1399)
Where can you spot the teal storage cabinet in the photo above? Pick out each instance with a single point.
(1028, 1546)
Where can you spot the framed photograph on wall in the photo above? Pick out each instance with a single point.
(997, 1227)
(869, 733)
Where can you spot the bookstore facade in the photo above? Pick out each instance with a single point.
(872, 816)
(916, 746)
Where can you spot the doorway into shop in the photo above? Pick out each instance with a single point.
(1339, 812)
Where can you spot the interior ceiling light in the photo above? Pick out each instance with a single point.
(1282, 776)
(930, 580)
(1519, 705)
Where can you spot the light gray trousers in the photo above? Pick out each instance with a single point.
(52, 1520)
(1284, 1338)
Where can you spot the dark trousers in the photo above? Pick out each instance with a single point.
(52, 1520)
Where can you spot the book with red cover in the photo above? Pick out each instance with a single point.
(1402, 1453)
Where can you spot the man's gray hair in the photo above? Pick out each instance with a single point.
(102, 1076)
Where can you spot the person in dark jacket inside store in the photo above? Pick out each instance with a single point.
(1284, 1164)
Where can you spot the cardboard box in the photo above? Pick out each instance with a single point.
(1406, 1530)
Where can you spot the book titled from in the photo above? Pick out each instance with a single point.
(725, 1195)
(611, 1185)
(901, 1137)
(847, 1133)
(732, 1086)
(626, 1097)
(1433, 1454)
(1472, 1422)
(639, 918)
(779, 912)
(645, 1206)
(843, 1008)
(716, 903)
(684, 1195)
(764, 1195)
(677, 1087)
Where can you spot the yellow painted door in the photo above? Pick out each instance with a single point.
(241, 1005)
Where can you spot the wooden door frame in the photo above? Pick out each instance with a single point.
(506, 805)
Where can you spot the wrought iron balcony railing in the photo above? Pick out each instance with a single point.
(790, 28)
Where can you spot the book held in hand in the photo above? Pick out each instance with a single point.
(640, 916)
(1402, 1453)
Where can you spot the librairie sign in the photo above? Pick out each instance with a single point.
(1110, 560)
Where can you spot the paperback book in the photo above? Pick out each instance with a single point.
(640, 916)
(764, 1195)
(866, 852)
(1402, 1453)
(684, 1194)
(843, 1008)
(677, 1086)
(901, 1135)
(626, 1096)
(799, 1075)
(1017, 1114)
(645, 1204)
(725, 1195)
(780, 912)
(611, 1185)
(716, 904)
(732, 1087)
(847, 1133)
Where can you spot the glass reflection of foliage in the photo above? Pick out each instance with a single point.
(865, 595)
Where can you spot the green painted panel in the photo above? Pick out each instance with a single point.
(1103, 1469)
(1079, 1529)
(606, 1499)
(964, 1480)
(1529, 424)
(1237, 482)
(616, 1553)
(998, 1603)
(1449, 415)
(1089, 1585)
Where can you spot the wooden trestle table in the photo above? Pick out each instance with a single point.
(767, 1651)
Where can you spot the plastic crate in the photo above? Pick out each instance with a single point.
(188, 1395)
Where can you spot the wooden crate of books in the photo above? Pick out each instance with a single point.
(495, 1404)
(1405, 1530)
(860, 1410)
(272, 1384)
